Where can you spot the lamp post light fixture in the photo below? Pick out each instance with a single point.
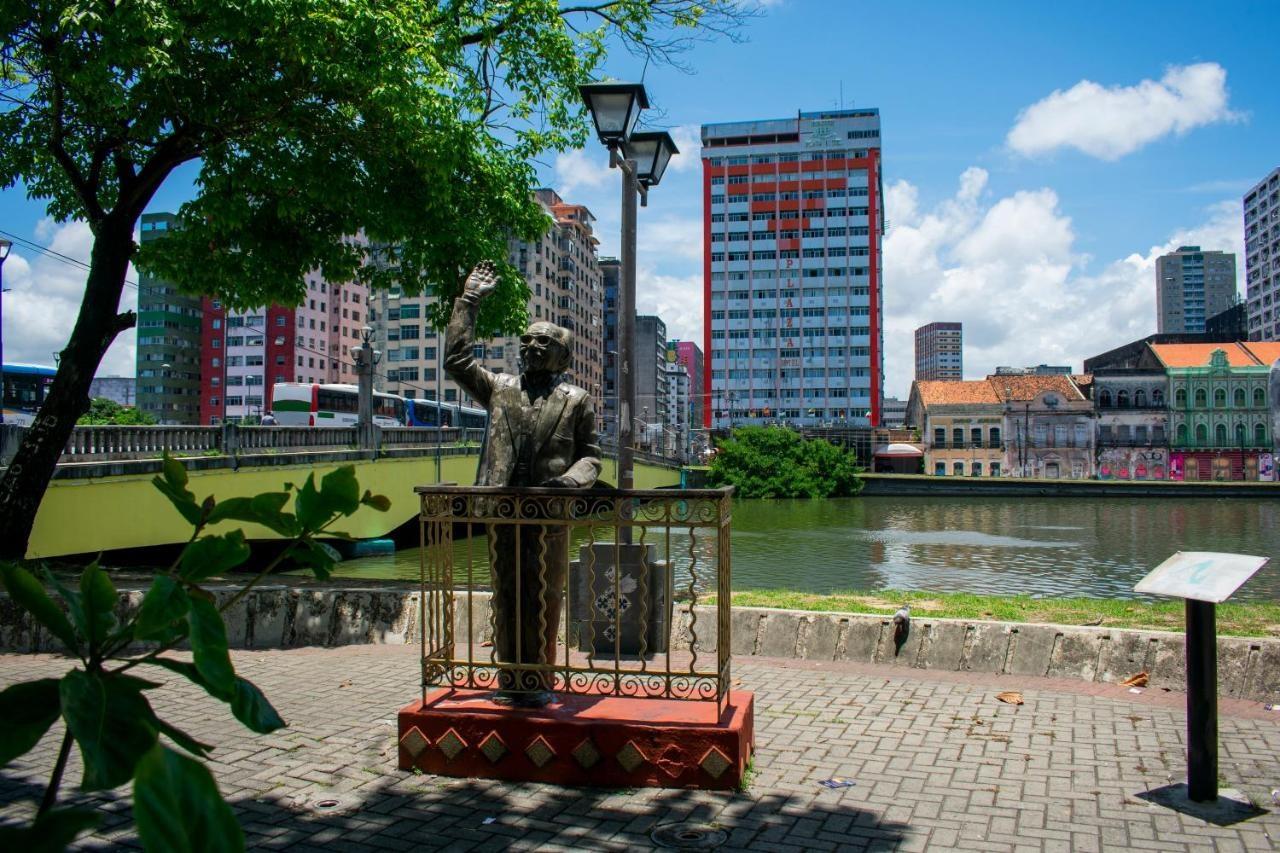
(642, 157)
(5, 246)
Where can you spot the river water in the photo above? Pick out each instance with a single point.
(1000, 545)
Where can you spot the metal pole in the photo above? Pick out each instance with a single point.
(440, 407)
(1202, 702)
(627, 329)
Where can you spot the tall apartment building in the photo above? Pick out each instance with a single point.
(168, 348)
(792, 224)
(1191, 286)
(1262, 257)
(940, 352)
(676, 443)
(566, 288)
(610, 272)
(689, 354)
(652, 394)
(243, 354)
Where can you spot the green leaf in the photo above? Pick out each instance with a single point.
(174, 473)
(381, 503)
(177, 805)
(30, 595)
(209, 648)
(252, 708)
(309, 507)
(183, 739)
(315, 556)
(247, 702)
(264, 509)
(111, 721)
(232, 509)
(340, 490)
(213, 555)
(75, 607)
(98, 596)
(52, 832)
(183, 500)
(165, 603)
(26, 712)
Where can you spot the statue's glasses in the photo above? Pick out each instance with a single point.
(542, 340)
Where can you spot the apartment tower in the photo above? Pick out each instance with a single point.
(1262, 258)
(1191, 286)
(792, 226)
(940, 352)
(168, 354)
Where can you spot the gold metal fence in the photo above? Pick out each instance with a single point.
(578, 591)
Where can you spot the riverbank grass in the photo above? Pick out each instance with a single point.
(1254, 619)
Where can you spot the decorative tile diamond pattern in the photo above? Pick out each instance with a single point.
(586, 754)
(414, 742)
(493, 747)
(451, 743)
(715, 763)
(630, 756)
(539, 751)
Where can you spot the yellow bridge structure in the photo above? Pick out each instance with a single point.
(102, 498)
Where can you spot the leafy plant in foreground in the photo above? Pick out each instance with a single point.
(103, 702)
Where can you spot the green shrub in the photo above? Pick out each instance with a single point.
(104, 704)
(773, 462)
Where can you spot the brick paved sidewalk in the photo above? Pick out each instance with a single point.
(939, 764)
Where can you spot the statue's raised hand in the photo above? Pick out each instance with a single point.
(483, 280)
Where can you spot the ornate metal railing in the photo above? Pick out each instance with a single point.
(633, 632)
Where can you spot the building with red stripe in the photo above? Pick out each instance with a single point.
(792, 231)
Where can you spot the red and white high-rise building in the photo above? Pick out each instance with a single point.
(792, 229)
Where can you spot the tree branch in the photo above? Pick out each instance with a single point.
(87, 193)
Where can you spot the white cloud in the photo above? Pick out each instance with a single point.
(688, 140)
(1110, 122)
(676, 299)
(44, 300)
(1009, 270)
(580, 168)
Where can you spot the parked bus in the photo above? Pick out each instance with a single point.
(429, 413)
(24, 388)
(308, 404)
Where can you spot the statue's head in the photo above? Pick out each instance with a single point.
(545, 348)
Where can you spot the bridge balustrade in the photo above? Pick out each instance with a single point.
(108, 443)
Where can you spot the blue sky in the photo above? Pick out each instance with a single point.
(1033, 217)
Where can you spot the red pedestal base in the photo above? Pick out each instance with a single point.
(604, 741)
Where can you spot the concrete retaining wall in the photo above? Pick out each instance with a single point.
(289, 617)
(909, 485)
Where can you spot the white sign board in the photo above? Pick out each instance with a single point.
(1201, 575)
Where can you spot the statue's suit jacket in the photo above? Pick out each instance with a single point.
(564, 438)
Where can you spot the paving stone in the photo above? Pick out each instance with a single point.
(939, 765)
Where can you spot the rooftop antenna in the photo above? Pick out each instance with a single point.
(842, 94)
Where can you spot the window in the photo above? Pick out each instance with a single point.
(995, 469)
(957, 436)
(1202, 434)
(1180, 398)
(217, 324)
(939, 437)
(1182, 434)
(1202, 398)
(1241, 435)
(1260, 435)
(995, 442)
(975, 436)
(939, 469)
(1219, 398)
(1259, 398)
(1239, 398)
(976, 470)
(1220, 435)
(1122, 399)
(1140, 398)
(957, 468)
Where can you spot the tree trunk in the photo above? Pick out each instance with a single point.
(27, 477)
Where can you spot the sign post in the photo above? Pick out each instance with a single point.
(1204, 579)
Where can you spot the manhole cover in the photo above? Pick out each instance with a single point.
(329, 804)
(688, 836)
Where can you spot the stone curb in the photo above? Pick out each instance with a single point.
(290, 617)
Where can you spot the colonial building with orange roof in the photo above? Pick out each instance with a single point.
(1016, 425)
(1220, 414)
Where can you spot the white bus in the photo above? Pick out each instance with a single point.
(306, 404)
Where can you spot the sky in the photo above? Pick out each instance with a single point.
(1037, 158)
